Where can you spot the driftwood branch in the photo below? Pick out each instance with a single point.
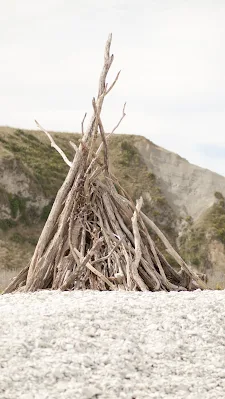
(73, 145)
(54, 145)
(123, 116)
(138, 253)
(113, 84)
(82, 123)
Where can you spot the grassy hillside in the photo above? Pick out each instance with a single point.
(32, 149)
(34, 172)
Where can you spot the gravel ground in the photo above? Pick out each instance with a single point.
(98, 345)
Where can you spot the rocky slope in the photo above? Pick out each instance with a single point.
(188, 188)
(178, 196)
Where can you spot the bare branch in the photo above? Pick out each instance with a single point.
(113, 84)
(110, 253)
(97, 111)
(102, 88)
(73, 145)
(54, 145)
(109, 135)
(138, 254)
(16, 281)
(102, 132)
(139, 204)
(123, 116)
(107, 47)
(107, 64)
(82, 123)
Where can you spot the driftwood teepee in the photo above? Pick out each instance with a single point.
(95, 236)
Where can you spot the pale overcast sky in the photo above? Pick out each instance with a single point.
(172, 57)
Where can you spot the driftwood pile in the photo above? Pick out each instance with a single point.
(95, 236)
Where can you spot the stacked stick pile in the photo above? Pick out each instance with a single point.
(95, 236)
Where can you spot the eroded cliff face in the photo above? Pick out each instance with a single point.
(17, 182)
(188, 188)
(177, 195)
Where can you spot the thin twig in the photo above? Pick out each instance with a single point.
(102, 132)
(110, 134)
(107, 64)
(113, 84)
(123, 116)
(73, 145)
(54, 145)
(82, 123)
(138, 254)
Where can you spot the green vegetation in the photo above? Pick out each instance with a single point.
(193, 247)
(2, 140)
(18, 210)
(194, 243)
(21, 239)
(43, 162)
(219, 195)
(6, 224)
(213, 221)
(17, 237)
(189, 220)
(132, 171)
(216, 220)
(30, 154)
(17, 206)
(130, 155)
(46, 210)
